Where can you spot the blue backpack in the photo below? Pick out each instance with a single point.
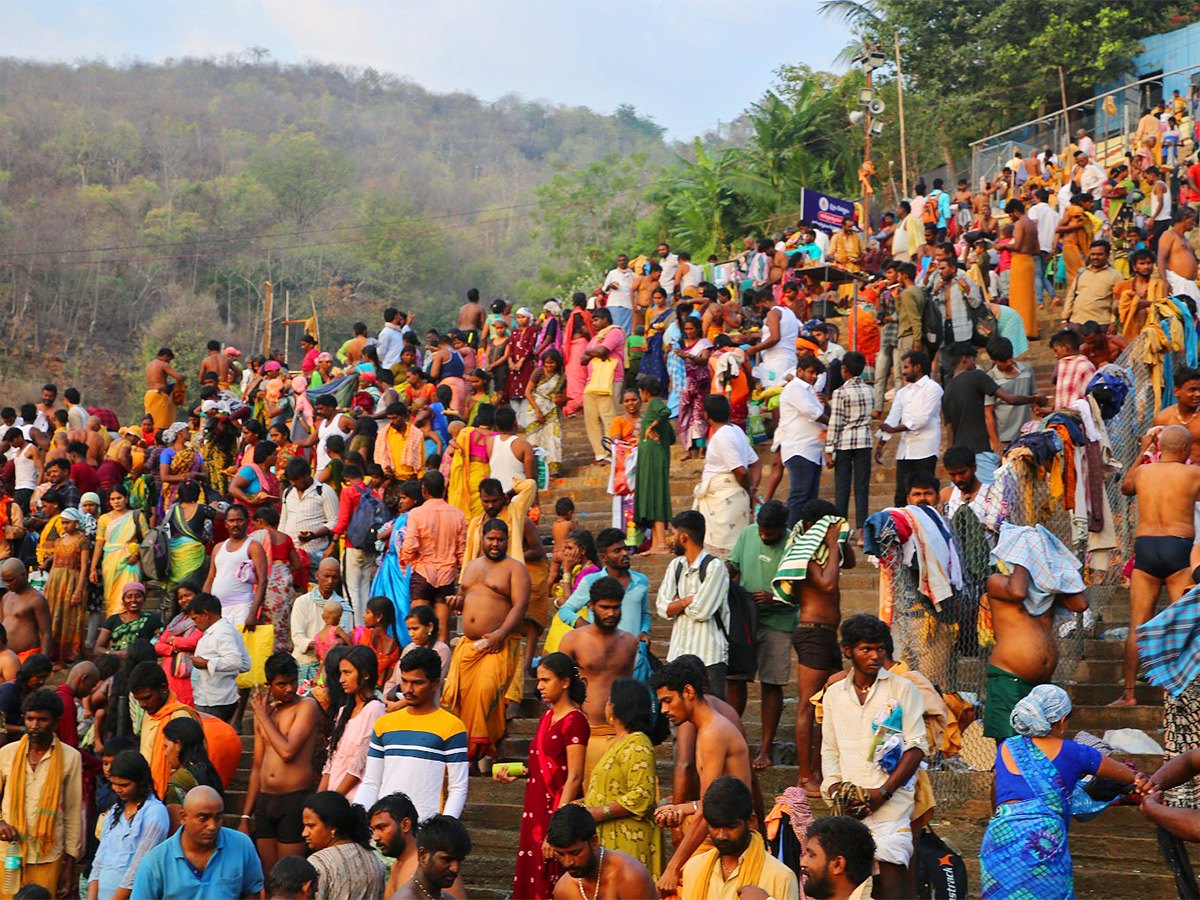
(369, 516)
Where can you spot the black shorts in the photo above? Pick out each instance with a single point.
(278, 817)
(420, 589)
(816, 646)
(1162, 556)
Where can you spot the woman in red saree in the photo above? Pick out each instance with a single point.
(554, 772)
(578, 331)
(521, 358)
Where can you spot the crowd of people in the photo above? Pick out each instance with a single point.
(364, 555)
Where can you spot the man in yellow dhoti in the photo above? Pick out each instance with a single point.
(495, 595)
(847, 248)
(159, 402)
(1075, 232)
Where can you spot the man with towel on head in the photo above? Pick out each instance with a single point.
(1038, 576)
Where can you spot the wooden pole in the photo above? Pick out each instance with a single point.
(865, 224)
(268, 305)
(900, 98)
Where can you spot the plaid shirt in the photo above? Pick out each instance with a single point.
(1071, 376)
(850, 416)
(885, 308)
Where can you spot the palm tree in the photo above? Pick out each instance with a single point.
(861, 17)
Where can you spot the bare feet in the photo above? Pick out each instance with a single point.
(1125, 700)
(657, 551)
(763, 760)
(810, 787)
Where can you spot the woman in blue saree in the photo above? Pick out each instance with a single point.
(1024, 855)
(392, 577)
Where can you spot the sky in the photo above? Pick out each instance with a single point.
(687, 65)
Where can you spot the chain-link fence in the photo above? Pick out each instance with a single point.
(951, 645)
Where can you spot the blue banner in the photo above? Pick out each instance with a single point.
(824, 211)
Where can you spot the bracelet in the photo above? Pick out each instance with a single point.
(245, 816)
(695, 807)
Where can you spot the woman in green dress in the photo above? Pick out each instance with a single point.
(623, 790)
(652, 492)
(188, 527)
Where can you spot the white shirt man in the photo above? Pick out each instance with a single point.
(224, 650)
(308, 510)
(306, 621)
(666, 280)
(918, 406)
(799, 432)
(1046, 220)
(1091, 179)
(621, 294)
(1087, 145)
(728, 449)
(821, 239)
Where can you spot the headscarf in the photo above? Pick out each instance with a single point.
(553, 307)
(90, 497)
(271, 366)
(1036, 713)
(133, 586)
(71, 514)
(233, 352)
(304, 407)
(171, 432)
(524, 311)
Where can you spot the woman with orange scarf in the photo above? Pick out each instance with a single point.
(579, 330)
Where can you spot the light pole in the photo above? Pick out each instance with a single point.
(870, 60)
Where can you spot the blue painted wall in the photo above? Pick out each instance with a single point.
(1165, 52)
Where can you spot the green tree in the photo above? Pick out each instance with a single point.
(303, 175)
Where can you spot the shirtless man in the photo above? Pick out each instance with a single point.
(499, 505)
(285, 732)
(603, 653)
(158, 402)
(1026, 649)
(721, 749)
(1167, 492)
(217, 362)
(442, 844)
(393, 820)
(590, 868)
(1026, 250)
(9, 663)
(1187, 404)
(25, 612)
(471, 315)
(91, 439)
(643, 292)
(495, 596)
(1176, 261)
(779, 262)
(816, 640)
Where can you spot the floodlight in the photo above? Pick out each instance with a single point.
(856, 117)
(865, 96)
(876, 128)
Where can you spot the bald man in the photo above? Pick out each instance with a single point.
(1167, 491)
(24, 612)
(201, 859)
(306, 618)
(81, 681)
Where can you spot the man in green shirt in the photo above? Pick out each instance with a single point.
(910, 307)
(753, 562)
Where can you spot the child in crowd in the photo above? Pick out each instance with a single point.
(331, 635)
(564, 509)
(481, 392)
(422, 627)
(378, 632)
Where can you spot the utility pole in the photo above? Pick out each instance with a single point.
(268, 305)
(900, 98)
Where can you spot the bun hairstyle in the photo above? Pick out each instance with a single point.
(565, 668)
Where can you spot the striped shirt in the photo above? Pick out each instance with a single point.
(695, 629)
(413, 753)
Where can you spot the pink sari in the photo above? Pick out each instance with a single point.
(576, 370)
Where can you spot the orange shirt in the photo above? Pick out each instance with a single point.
(435, 541)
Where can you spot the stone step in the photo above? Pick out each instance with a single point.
(1098, 719)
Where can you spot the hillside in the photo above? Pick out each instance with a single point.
(197, 180)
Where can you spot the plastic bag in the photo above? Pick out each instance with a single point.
(259, 644)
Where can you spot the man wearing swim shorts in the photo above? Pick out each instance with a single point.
(1167, 491)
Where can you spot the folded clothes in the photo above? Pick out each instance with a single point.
(1052, 567)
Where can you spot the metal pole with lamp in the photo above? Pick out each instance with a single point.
(870, 60)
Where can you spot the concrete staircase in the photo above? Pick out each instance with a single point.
(1115, 855)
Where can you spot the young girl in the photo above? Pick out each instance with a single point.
(422, 624)
(564, 509)
(480, 384)
(377, 632)
(331, 635)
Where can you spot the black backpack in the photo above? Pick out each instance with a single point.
(369, 516)
(940, 873)
(932, 327)
(743, 624)
(983, 323)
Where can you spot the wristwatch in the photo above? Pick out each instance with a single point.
(885, 793)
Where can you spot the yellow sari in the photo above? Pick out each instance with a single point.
(468, 467)
(118, 533)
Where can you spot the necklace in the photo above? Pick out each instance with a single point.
(421, 887)
(599, 870)
(1183, 421)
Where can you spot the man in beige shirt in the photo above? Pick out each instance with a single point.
(1091, 296)
(41, 766)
